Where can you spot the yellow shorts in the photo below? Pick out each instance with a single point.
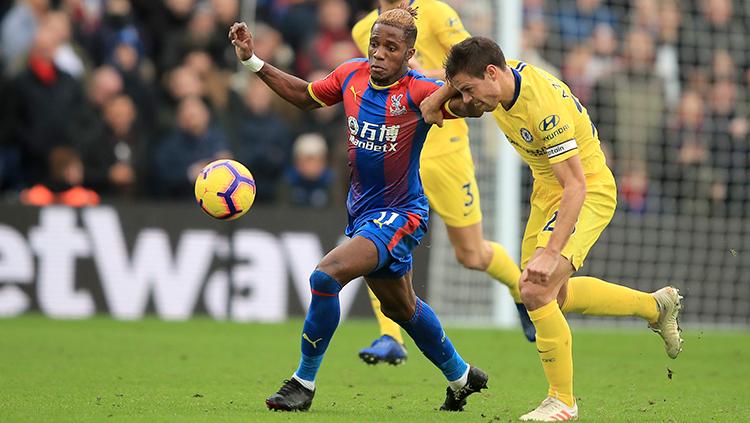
(451, 187)
(598, 209)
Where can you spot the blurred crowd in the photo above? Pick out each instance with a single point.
(111, 99)
(666, 83)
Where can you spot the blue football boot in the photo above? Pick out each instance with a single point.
(384, 349)
(528, 326)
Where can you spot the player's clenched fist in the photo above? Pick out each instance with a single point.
(540, 268)
(242, 40)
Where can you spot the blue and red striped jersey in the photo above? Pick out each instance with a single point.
(385, 132)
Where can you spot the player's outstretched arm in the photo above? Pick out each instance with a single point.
(432, 105)
(288, 87)
(459, 108)
(446, 97)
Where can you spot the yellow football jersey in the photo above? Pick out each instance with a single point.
(438, 29)
(547, 124)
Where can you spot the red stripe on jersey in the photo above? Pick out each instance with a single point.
(352, 100)
(353, 92)
(322, 294)
(411, 225)
(396, 162)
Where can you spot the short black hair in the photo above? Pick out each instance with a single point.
(472, 55)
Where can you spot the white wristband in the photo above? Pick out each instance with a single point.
(253, 63)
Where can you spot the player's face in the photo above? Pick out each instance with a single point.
(483, 93)
(388, 54)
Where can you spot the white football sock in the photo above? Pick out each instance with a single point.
(306, 383)
(460, 382)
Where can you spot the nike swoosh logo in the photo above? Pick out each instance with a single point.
(544, 352)
(306, 338)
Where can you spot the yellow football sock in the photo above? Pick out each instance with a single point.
(596, 297)
(555, 346)
(504, 269)
(387, 326)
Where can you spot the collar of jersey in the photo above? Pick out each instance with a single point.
(384, 87)
(517, 93)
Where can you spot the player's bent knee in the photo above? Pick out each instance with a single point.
(398, 312)
(334, 268)
(534, 295)
(470, 259)
(321, 281)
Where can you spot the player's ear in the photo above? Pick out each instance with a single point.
(410, 53)
(491, 72)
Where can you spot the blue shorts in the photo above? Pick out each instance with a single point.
(395, 234)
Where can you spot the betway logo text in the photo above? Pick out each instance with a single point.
(243, 276)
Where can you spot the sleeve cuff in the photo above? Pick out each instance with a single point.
(314, 97)
(447, 108)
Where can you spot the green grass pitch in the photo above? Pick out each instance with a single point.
(102, 370)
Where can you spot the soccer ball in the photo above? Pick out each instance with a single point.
(225, 189)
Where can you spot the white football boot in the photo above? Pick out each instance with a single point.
(668, 299)
(552, 410)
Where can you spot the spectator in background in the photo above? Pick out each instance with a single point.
(327, 122)
(138, 77)
(533, 10)
(182, 82)
(475, 16)
(162, 21)
(63, 183)
(684, 168)
(270, 43)
(114, 161)
(576, 20)
(716, 27)
(192, 144)
(215, 82)
(226, 12)
(262, 138)
(332, 44)
(309, 179)
(66, 57)
(629, 107)
(118, 27)
(644, 15)
(44, 104)
(293, 18)
(11, 174)
(202, 34)
(533, 40)
(604, 60)
(576, 71)
(105, 84)
(17, 32)
(85, 16)
(729, 147)
(667, 55)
